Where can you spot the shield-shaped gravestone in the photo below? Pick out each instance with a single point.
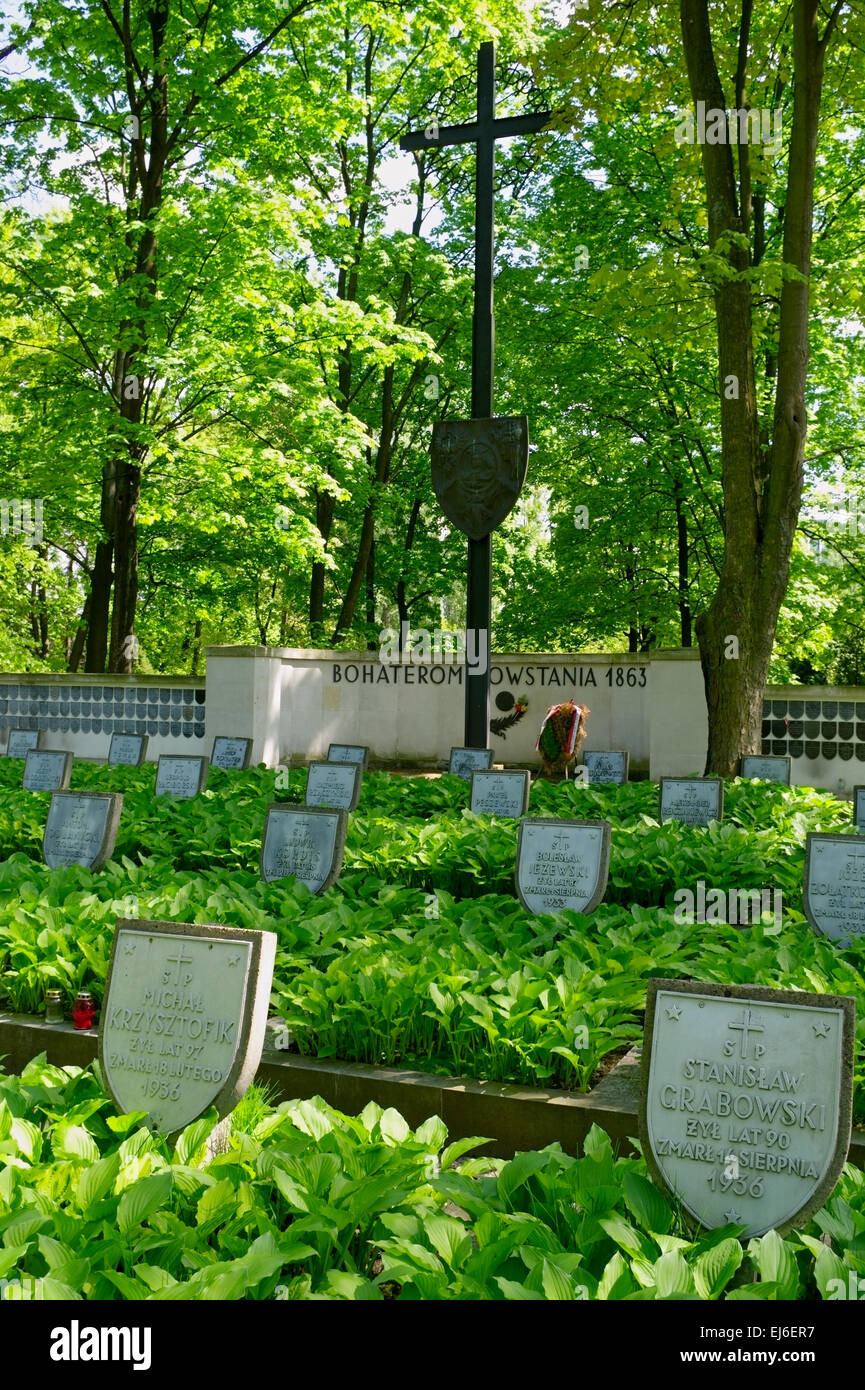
(562, 864)
(691, 800)
(183, 1018)
(464, 761)
(334, 784)
(20, 742)
(834, 886)
(769, 768)
(305, 841)
(478, 470)
(500, 793)
(348, 753)
(127, 750)
(47, 770)
(177, 774)
(231, 754)
(859, 808)
(81, 828)
(606, 765)
(746, 1099)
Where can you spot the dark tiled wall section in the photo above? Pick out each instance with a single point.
(815, 728)
(104, 709)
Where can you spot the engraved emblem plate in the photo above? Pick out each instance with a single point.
(184, 1018)
(478, 470)
(746, 1102)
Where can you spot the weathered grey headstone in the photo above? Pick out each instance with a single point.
(20, 742)
(465, 761)
(47, 770)
(178, 774)
(746, 1100)
(859, 808)
(562, 864)
(307, 842)
(81, 828)
(834, 886)
(334, 784)
(768, 767)
(691, 800)
(606, 764)
(501, 793)
(127, 750)
(231, 754)
(184, 1018)
(348, 753)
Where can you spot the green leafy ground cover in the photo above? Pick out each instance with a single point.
(420, 955)
(308, 1203)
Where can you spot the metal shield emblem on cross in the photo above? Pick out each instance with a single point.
(478, 470)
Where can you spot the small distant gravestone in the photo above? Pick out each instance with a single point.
(348, 753)
(859, 808)
(834, 886)
(231, 754)
(184, 1018)
(562, 864)
(746, 1102)
(501, 793)
(606, 765)
(21, 741)
(81, 828)
(179, 774)
(307, 842)
(334, 784)
(769, 768)
(47, 770)
(691, 800)
(127, 750)
(465, 761)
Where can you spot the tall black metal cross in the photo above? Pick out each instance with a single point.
(483, 132)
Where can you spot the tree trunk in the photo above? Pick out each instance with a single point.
(372, 644)
(99, 604)
(762, 489)
(684, 587)
(125, 568)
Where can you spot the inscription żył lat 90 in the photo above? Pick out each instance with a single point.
(834, 886)
(562, 865)
(81, 828)
(305, 842)
(184, 1018)
(746, 1100)
(500, 793)
(691, 800)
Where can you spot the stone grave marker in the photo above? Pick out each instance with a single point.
(305, 841)
(768, 767)
(606, 765)
(184, 1018)
(81, 828)
(47, 770)
(231, 753)
(464, 761)
(501, 793)
(691, 800)
(127, 750)
(859, 808)
(747, 1096)
(562, 864)
(334, 784)
(834, 886)
(20, 742)
(179, 774)
(348, 753)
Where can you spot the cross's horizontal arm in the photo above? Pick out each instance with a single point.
(473, 131)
